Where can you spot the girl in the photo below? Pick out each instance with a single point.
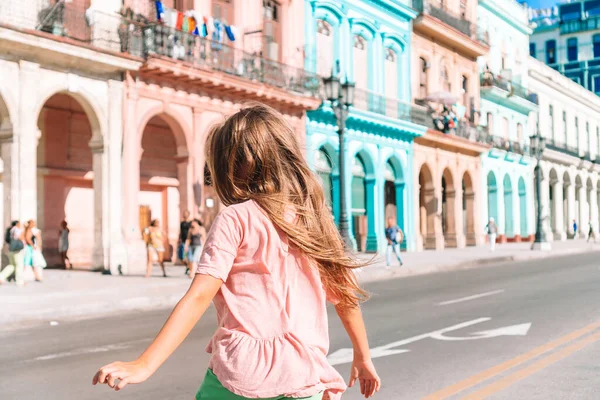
(63, 244)
(33, 240)
(271, 260)
(156, 246)
(193, 244)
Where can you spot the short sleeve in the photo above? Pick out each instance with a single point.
(221, 246)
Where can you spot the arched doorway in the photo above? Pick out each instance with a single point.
(363, 202)
(164, 173)
(69, 172)
(427, 207)
(394, 194)
(468, 207)
(448, 209)
(566, 213)
(523, 208)
(588, 206)
(509, 230)
(492, 196)
(326, 171)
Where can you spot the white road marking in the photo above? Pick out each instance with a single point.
(513, 330)
(89, 350)
(475, 296)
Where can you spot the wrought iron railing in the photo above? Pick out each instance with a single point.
(562, 147)
(369, 101)
(453, 19)
(472, 132)
(137, 35)
(513, 146)
(513, 89)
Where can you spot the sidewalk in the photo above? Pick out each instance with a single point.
(82, 294)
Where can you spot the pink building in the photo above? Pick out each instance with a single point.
(120, 132)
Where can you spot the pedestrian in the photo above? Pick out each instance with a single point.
(193, 244)
(156, 247)
(394, 237)
(492, 231)
(184, 228)
(272, 258)
(33, 241)
(63, 245)
(591, 233)
(16, 252)
(574, 229)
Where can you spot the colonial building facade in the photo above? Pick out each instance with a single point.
(369, 44)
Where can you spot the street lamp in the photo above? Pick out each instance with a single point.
(538, 143)
(341, 97)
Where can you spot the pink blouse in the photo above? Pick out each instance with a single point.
(272, 338)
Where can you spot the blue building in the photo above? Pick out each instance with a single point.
(368, 43)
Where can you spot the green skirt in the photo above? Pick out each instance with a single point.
(212, 389)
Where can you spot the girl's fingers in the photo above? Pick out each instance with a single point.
(368, 388)
(122, 384)
(363, 384)
(378, 385)
(110, 380)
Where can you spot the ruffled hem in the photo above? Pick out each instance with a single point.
(277, 366)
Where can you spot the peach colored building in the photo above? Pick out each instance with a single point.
(446, 44)
(104, 111)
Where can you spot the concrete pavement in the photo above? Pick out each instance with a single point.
(457, 331)
(83, 294)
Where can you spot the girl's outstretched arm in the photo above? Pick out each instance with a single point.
(184, 317)
(363, 369)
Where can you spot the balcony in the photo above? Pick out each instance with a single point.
(369, 101)
(512, 146)
(580, 25)
(437, 21)
(510, 94)
(562, 147)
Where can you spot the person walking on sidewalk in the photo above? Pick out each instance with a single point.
(492, 231)
(63, 245)
(574, 229)
(16, 252)
(193, 244)
(272, 259)
(184, 227)
(156, 247)
(33, 240)
(394, 237)
(591, 233)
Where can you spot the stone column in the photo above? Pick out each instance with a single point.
(593, 210)
(436, 207)
(570, 208)
(97, 147)
(582, 223)
(558, 228)
(371, 245)
(186, 190)
(545, 206)
(452, 211)
(461, 237)
(10, 175)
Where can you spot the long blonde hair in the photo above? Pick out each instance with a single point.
(255, 155)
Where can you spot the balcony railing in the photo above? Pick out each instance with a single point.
(589, 24)
(393, 108)
(513, 89)
(138, 36)
(201, 52)
(513, 146)
(562, 147)
(471, 132)
(450, 18)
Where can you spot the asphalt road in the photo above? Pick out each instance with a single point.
(556, 357)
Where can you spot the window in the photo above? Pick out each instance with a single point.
(271, 29)
(463, 9)
(325, 48)
(597, 140)
(520, 132)
(596, 88)
(596, 40)
(532, 49)
(423, 67)
(551, 52)
(588, 136)
(361, 60)
(505, 128)
(551, 120)
(465, 92)
(391, 74)
(577, 131)
(572, 49)
(490, 123)
(324, 171)
(445, 79)
(223, 9)
(564, 127)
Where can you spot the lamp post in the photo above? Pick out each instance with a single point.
(341, 97)
(538, 143)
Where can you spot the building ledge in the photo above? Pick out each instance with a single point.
(505, 98)
(238, 87)
(63, 52)
(436, 29)
(452, 143)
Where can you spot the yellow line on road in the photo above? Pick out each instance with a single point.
(532, 369)
(507, 365)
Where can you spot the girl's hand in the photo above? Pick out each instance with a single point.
(365, 372)
(129, 372)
